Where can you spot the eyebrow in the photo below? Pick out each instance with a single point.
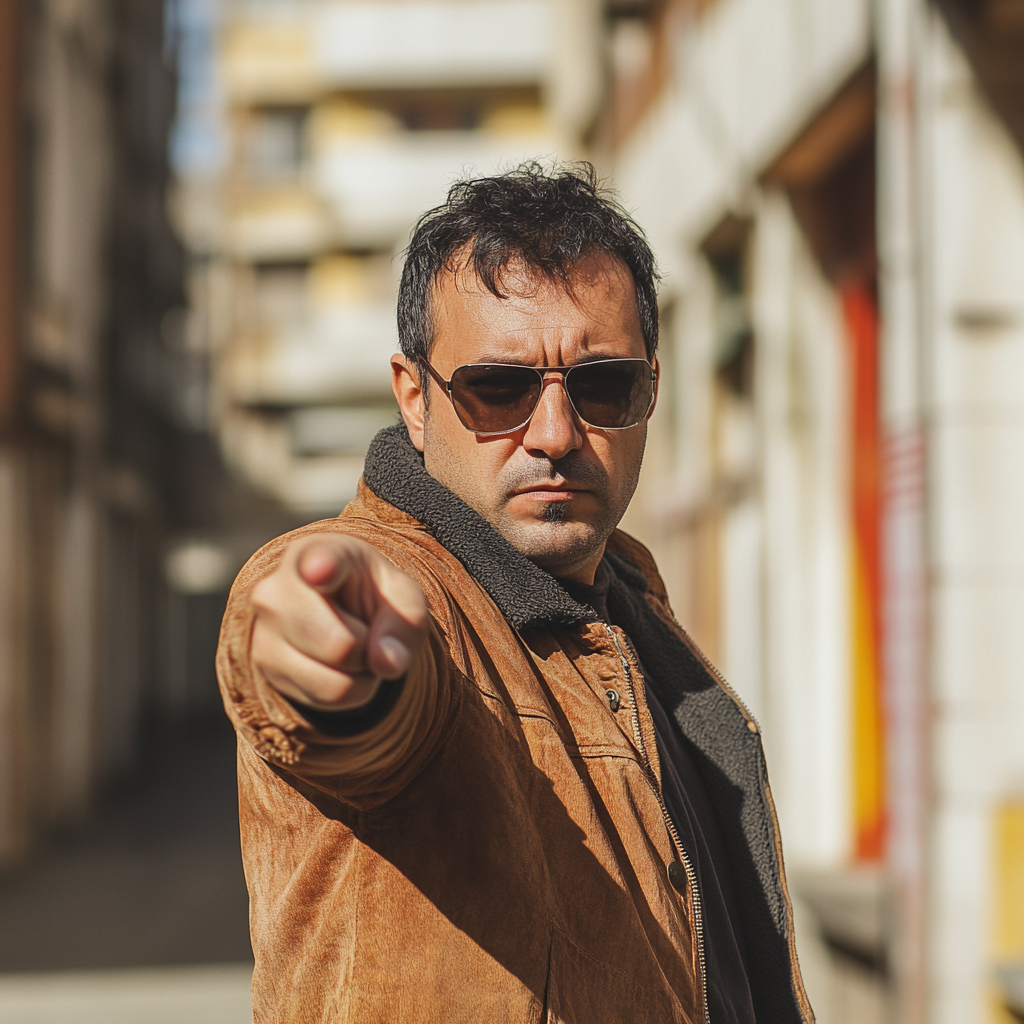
(589, 358)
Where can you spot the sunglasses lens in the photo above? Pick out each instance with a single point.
(496, 398)
(493, 399)
(613, 394)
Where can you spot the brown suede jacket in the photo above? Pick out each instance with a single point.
(488, 843)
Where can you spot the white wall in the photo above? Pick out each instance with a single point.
(746, 77)
(974, 306)
(802, 411)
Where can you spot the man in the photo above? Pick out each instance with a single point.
(484, 774)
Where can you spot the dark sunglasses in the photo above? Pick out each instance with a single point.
(499, 398)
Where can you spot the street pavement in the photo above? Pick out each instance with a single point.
(142, 916)
(210, 994)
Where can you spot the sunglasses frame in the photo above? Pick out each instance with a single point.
(542, 372)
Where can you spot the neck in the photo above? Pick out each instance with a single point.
(580, 574)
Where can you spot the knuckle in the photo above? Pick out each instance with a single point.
(259, 595)
(362, 690)
(342, 689)
(263, 656)
(351, 691)
(331, 693)
(339, 648)
(419, 611)
(265, 596)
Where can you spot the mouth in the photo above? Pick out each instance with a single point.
(550, 492)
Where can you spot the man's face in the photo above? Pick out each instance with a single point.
(555, 488)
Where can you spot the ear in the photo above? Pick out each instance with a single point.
(405, 383)
(657, 385)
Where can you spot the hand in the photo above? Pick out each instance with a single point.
(333, 620)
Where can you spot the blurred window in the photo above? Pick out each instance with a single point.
(343, 278)
(281, 293)
(436, 110)
(332, 430)
(726, 250)
(276, 144)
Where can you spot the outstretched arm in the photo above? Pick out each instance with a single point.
(331, 666)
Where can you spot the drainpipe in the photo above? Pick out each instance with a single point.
(900, 27)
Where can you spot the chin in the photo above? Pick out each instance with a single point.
(557, 547)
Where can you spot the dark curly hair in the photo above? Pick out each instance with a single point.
(547, 219)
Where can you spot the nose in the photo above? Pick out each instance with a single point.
(553, 430)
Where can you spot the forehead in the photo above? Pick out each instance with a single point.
(537, 315)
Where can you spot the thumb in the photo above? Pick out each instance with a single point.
(398, 627)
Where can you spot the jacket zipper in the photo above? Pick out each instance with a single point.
(684, 857)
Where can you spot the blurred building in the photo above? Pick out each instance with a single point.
(103, 462)
(835, 478)
(339, 122)
(835, 475)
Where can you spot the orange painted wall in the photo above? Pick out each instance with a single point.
(860, 314)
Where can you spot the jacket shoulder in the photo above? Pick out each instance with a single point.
(633, 551)
(366, 517)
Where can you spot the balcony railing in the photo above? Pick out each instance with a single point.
(369, 44)
(337, 354)
(378, 186)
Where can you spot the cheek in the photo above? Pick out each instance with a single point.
(441, 442)
(622, 459)
(463, 463)
(637, 447)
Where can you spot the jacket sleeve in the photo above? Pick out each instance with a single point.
(365, 767)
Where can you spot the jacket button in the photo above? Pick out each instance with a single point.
(614, 700)
(677, 876)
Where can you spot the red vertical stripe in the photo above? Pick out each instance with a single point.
(861, 317)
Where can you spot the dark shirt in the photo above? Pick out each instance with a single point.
(688, 805)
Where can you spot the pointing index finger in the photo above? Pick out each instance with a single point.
(323, 567)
